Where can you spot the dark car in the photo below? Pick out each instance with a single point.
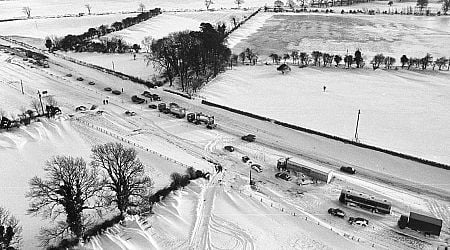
(80, 108)
(147, 94)
(283, 176)
(245, 158)
(336, 212)
(116, 92)
(249, 138)
(137, 99)
(358, 221)
(156, 97)
(69, 75)
(91, 83)
(80, 78)
(130, 113)
(152, 106)
(229, 148)
(107, 89)
(166, 111)
(349, 170)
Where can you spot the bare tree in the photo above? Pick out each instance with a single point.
(208, 3)
(445, 6)
(69, 189)
(377, 60)
(10, 230)
(124, 174)
(36, 105)
(389, 61)
(27, 11)
(141, 7)
(147, 44)
(239, 3)
(88, 7)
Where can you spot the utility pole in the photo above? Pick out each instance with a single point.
(112, 64)
(21, 84)
(40, 99)
(357, 124)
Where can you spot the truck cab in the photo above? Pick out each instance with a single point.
(282, 164)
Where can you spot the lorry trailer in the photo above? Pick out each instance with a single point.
(419, 222)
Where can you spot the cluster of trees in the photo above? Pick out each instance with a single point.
(74, 193)
(191, 57)
(27, 115)
(115, 178)
(10, 231)
(422, 63)
(318, 58)
(83, 42)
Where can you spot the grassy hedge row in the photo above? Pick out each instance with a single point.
(333, 137)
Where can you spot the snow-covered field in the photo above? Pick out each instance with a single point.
(41, 28)
(400, 110)
(169, 22)
(395, 35)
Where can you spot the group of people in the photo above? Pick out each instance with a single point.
(105, 101)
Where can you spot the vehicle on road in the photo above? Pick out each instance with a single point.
(161, 107)
(365, 201)
(245, 159)
(358, 221)
(80, 79)
(179, 112)
(256, 167)
(91, 83)
(80, 108)
(130, 113)
(156, 97)
(249, 138)
(419, 222)
(283, 176)
(229, 148)
(198, 118)
(336, 212)
(348, 170)
(116, 92)
(107, 89)
(137, 99)
(153, 106)
(147, 94)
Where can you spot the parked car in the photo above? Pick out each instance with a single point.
(283, 176)
(152, 106)
(358, 221)
(80, 108)
(349, 170)
(156, 97)
(229, 148)
(130, 113)
(249, 138)
(137, 99)
(147, 94)
(166, 111)
(107, 89)
(256, 167)
(80, 78)
(245, 159)
(69, 75)
(91, 83)
(116, 92)
(336, 212)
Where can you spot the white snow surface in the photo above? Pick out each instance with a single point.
(401, 110)
(41, 28)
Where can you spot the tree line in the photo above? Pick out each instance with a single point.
(76, 194)
(83, 42)
(191, 57)
(318, 58)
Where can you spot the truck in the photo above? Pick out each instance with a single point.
(198, 118)
(161, 107)
(419, 222)
(179, 112)
(137, 99)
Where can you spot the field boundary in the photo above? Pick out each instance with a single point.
(328, 136)
(242, 22)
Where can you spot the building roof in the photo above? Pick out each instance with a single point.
(425, 218)
(310, 165)
(365, 196)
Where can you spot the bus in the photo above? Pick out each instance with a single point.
(365, 201)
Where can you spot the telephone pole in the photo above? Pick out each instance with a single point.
(357, 124)
(40, 99)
